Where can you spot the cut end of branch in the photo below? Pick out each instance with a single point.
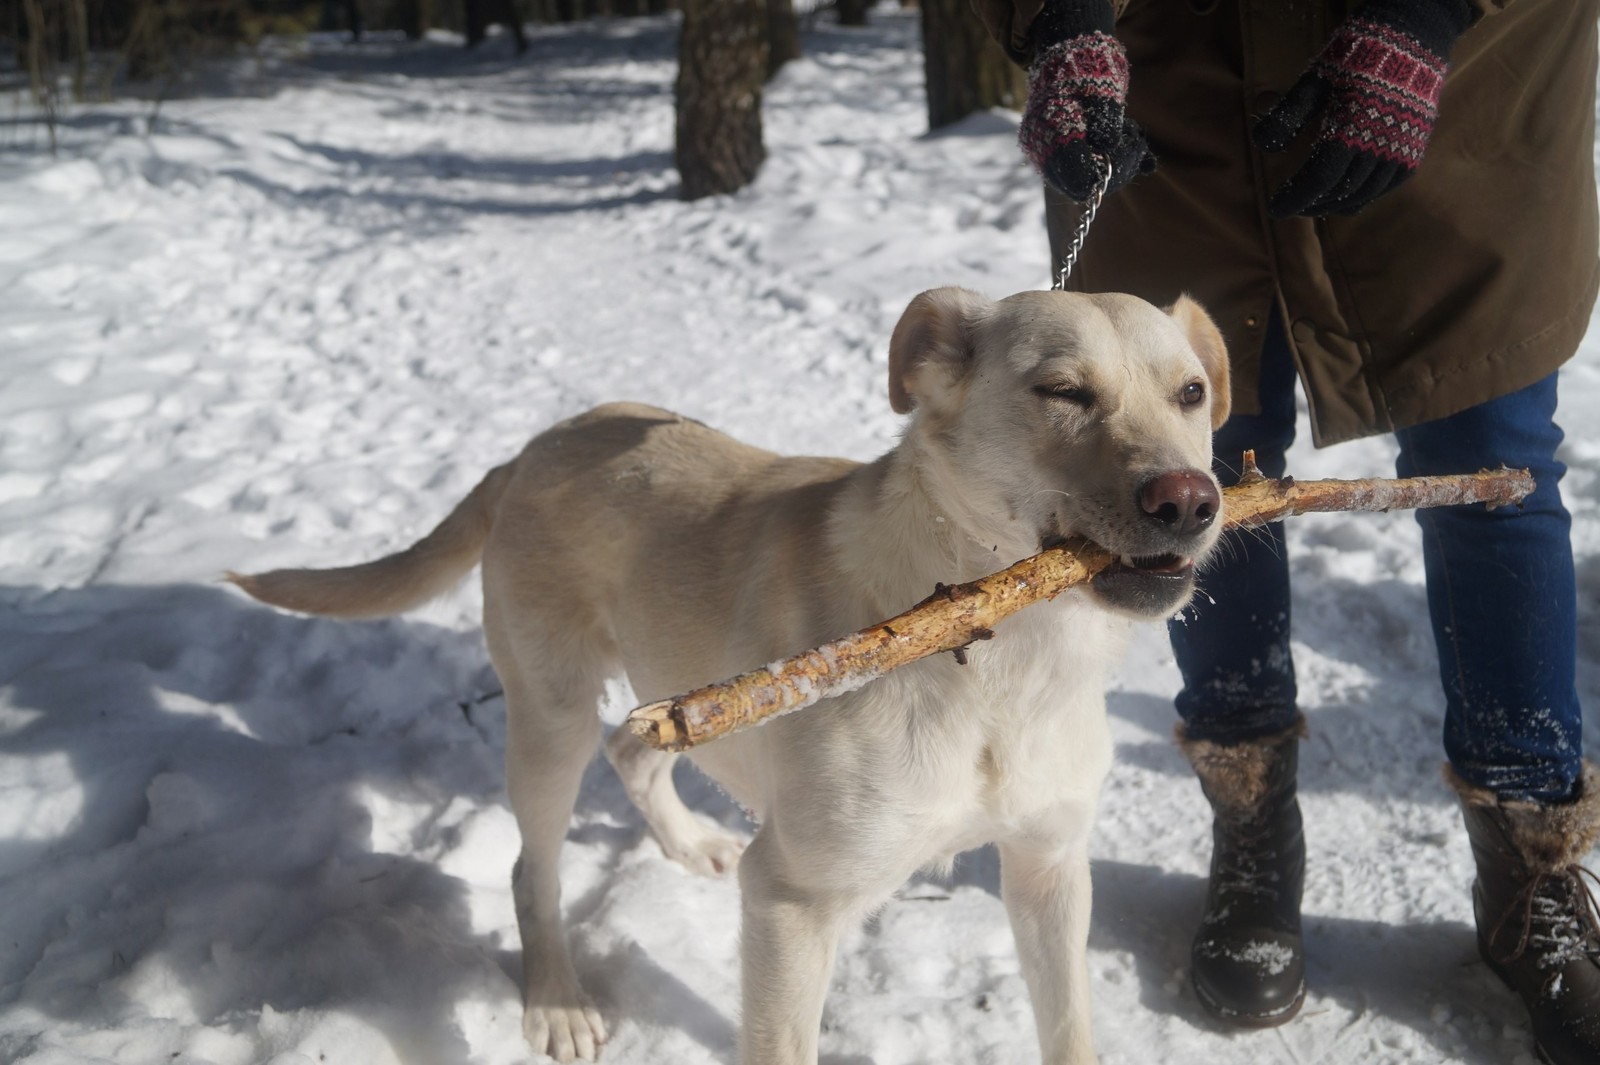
(660, 725)
(1509, 486)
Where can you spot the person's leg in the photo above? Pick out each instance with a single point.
(1503, 599)
(1240, 729)
(1502, 596)
(1232, 642)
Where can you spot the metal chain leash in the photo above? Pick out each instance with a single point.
(1070, 260)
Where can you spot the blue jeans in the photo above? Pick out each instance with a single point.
(1502, 596)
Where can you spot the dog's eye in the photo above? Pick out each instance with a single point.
(1071, 393)
(1192, 393)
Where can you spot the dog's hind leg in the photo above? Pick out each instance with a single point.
(647, 775)
(553, 686)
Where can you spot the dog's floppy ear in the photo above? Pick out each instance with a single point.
(1206, 340)
(934, 334)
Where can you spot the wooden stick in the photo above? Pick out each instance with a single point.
(954, 616)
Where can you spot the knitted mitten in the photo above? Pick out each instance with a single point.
(1076, 122)
(1376, 83)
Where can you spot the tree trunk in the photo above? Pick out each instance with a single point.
(722, 63)
(415, 17)
(78, 46)
(853, 12)
(783, 35)
(513, 16)
(966, 71)
(41, 64)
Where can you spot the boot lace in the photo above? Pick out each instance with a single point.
(1559, 919)
(1245, 866)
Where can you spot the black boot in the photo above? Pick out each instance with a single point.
(1247, 964)
(1537, 926)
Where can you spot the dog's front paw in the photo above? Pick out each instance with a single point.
(566, 1033)
(702, 848)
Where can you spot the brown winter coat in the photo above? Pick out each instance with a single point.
(1472, 280)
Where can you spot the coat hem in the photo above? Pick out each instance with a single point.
(1512, 370)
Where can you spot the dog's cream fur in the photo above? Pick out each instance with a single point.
(630, 540)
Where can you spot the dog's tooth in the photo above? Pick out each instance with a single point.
(1127, 560)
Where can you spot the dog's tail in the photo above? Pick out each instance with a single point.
(425, 570)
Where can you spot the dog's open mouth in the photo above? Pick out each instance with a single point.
(1150, 585)
(1156, 564)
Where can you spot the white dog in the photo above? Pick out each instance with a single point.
(631, 540)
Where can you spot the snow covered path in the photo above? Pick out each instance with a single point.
(294, 324)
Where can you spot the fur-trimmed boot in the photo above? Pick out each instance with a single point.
(1246, 963)
(1537, 926)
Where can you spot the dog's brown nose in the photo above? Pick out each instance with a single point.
(1185, 501)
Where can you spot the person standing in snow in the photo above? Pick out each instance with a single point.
(1394, 203)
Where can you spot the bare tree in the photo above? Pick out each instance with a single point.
(722, 64)
(783, 34)
(355, 21)
(414, 16)
(966, 71)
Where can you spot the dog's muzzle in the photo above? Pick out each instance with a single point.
(1178, 509)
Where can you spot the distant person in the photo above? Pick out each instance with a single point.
(480, 14)
(1394, 203)
(352, 17)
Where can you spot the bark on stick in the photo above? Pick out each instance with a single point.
(955, 616)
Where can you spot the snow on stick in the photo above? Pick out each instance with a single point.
(955, 616)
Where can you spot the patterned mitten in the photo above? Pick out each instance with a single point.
(1376, 84)
(1076, 120)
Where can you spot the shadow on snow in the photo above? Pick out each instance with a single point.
(204, 772)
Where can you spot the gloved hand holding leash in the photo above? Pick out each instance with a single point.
(1371, 95)
(1076, 121)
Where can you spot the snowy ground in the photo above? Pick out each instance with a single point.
(294, 322)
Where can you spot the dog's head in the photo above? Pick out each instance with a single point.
(1054, 414)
